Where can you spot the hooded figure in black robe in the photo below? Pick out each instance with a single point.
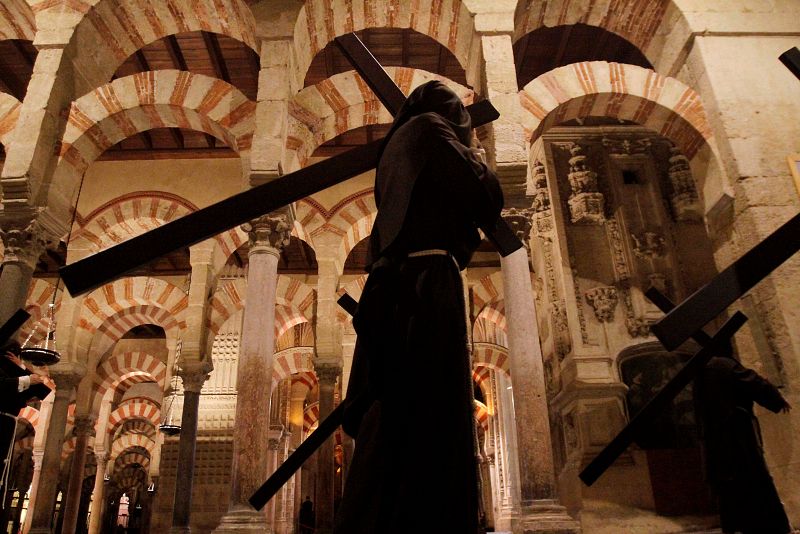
(748, 500)
(409, 400)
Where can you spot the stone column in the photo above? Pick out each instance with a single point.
(83, 429)
(98, 493)
(296, 429)
(327, 375)
(66, 376)
(273, 446)
(268, 235)
(193, 375)
(540, 511)
(23, 242)
(37, 473)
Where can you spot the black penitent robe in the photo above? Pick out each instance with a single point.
(748, 500)
(410, 394)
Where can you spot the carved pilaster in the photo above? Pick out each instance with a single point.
(684, 199)
(603, 300)
(269, 233)
(542, 213)
(626, 146)
(648, 245)
(586, 203)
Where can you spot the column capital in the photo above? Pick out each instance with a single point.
(269, 233)
(102, 457)
(327, 373)
(84, 425)
(24, 240)
(194, 375)
(67, 375)
(520, 221)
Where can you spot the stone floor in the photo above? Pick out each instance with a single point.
(600, 517)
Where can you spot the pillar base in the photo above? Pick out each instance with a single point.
(243, 520)
(545, 517)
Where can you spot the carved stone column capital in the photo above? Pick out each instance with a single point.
(23, 241)
(269, 233)
(102, 458)
(603, 300)
(67, 376)
(520, 221)
(327, 373)
(84, 425)
(194, 378)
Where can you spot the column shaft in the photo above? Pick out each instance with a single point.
(98, 493)
(84, 427)
(327, 375)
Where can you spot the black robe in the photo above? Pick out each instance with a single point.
(748, 500)
(410, 394)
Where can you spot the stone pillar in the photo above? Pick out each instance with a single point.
(37, 473)
(540, 511)
(273, 446)
(23, 242)
(83, 429)
(193, 375)
(268, 235)
(98, 493)
(327, 375)
(296, 429)
(66, 376)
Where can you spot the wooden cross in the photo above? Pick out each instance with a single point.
(689, 317)
(105, 266)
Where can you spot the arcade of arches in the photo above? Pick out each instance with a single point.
(641, 143)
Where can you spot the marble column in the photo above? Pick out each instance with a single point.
(327, 375)
(98, 493)
(193, 375)
(83, 429)
(66, 376)
(540, 511)
(296, 428)
(37, 473)
(268, 235)
(23, 243)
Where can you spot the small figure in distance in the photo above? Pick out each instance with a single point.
(306, 516)
(737, 470)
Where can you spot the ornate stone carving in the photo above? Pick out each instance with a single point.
(659, 281)
(638, 327)
(327, 373)
(684, 199)
(193, 379)
(648, 245)
(626, 146)
(561, 330)
(520, 222)
(23, 242)
(586, 204)
(272, 230)
(570, 432)
(84, 425)
(579, 305)
(603, 300)
(542, 214)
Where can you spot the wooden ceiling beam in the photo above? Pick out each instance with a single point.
(211, 140)
(216, 57)
(148, 140)
(177, 136)
(144, 65)
(175, 53)
(406, 45)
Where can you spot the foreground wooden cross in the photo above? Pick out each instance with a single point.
(689, 317)
(105, 266)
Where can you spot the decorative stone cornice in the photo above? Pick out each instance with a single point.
(269, 233)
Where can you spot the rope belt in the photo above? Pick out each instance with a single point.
(7, 460)
(434, 252)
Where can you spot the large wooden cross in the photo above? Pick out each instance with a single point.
(109, 264)
(689, 317)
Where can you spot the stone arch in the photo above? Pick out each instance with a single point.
(128, 441)
(660, 103)
(286, 317)
(491, 355)
(114, 369)
(31, 415)
(487, 289)
(9, 114)
(320, 21)
(111, 310)
(343, 102)
(137, 409)
(137, 426)
(17, 20)
(656, 27)
(307, 381)
(115, 29)
(301, 335)
(487, 331)
(133, 455)
(288, 362)
(37, 303)
(310, 417)
(494, 312)
(141, 102)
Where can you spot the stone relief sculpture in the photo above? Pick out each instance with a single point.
(586, 203)
(603, 300)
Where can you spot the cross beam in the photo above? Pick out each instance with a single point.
(109, 264)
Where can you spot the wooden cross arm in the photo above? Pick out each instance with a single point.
(728, 286)
(12, 325)
(664, 396)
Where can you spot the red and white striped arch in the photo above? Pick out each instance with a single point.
(115, 29)
(227, 300)
(297, 295)
(112, 371)
(141, 408)
(136, 426)
(486, 331)
(301, 335)
(491, 356)
(481, 413)
(132, 456)
(598, 88)
(127, 441)
(310, 417)
(296, 360)
(126, 217)
(344, 102)
(312, 215)
(17, 20)
(303, 383)
(494, 312)
(644, 23)
(487, 289)
(141, 102)
(31, 415)
(286, 318)
(9, 114)
(320, 21)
